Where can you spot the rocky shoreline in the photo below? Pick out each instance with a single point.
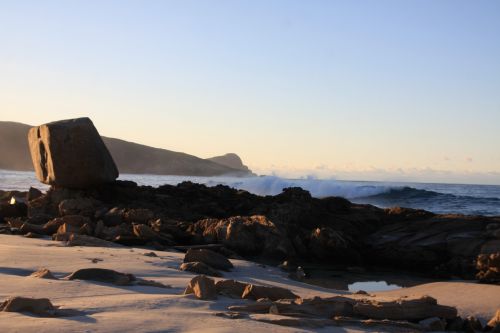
(291, 226)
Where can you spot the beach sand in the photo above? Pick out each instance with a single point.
(110, 308)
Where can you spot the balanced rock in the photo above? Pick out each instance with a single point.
(70, 153)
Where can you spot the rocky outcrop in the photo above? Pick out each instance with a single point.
(248, 235)
(71, 154)
(290, 226)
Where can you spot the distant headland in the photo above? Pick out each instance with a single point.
(130, 157)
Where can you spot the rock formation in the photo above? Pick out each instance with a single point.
(71, 154)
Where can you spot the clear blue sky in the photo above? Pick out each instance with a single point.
(400, 90)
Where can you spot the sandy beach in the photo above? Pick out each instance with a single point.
(110, 308)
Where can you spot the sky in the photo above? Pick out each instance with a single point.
(361, 90)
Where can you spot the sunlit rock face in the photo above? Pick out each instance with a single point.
(70, 153)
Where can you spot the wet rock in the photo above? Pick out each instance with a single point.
(247, 235)
(208, 257)
(102, 275)
(199, 268)
(405, 309)
(37, 306)
(202, 287)
(273, 293)
(230, 288)
(71, 153)
(43, 273)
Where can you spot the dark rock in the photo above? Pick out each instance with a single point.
(199, 268)
(33, 193)
(202, 287)
(102, 275)
(208, 257)
(81, 206)
(230, 288)
(139, 216)
(433, 324)
(71, 153)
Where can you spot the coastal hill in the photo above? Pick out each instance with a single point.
(129, 157)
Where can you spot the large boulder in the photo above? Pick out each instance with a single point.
(70, 153)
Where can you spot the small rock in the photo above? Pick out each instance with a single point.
(199, 268)
(273, 293)
(230, 288)
(202, 287)
(360, 292)
(43, 273)
(102, 275)
(38, 306)
(208, 257)
(150, 254)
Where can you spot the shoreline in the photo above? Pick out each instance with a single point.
(104, 307)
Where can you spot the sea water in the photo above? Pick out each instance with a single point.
(438, 198)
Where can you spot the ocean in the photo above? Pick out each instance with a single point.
(437, 198)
